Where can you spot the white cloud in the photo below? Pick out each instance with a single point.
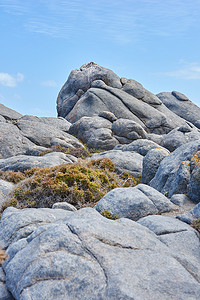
(49, 83)
(188, 71)
(9, 80)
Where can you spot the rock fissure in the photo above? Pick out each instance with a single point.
(90, 253)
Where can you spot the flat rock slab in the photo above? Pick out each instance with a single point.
(25, 162)
(83, 255)
(134, 202)
(181, 238)
(8, 113)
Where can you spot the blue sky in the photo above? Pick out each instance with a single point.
(152, 41)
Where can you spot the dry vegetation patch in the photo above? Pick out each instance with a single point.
(82, 184)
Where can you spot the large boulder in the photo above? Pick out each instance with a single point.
(25, 162)
(174, 172)
(12, 142)
(182, 240)
(95, 132)
(141, 146)
(58, 123)
(180, 105)
(180, 136)
(193, 187)
(82, 255)
(94, 89)
(151, 163)
(8, 113)
(134, 202)
(42, 134)
(125, 161)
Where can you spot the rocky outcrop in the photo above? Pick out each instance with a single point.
(180, 105)
(174, 172)
(26, 162)
(105, 259)
(73, 251)
(94, 89)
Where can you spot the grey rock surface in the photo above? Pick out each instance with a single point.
(5, 188)
(95, 132)
(151, 163)
(8, 113)
(193, 187)
(4, 293)
(12, 142)
(180, 136)
(128, 129)
(142, 146)
(180, 105)
(181, 238)
(58, 123)
(94, 89)
(134, 202)
(42, 134)
(129, 162)
(64, 205)
(170, 168)
(25, 162)
(190, 216)
(179, 199)
(106, 259)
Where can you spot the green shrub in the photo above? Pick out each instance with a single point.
(82, 184)
(107, 214)
(196, 225)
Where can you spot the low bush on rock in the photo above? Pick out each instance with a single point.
(107, 214)
(196, 225)
(78, 152)
(80, 184)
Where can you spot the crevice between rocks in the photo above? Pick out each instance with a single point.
(90, 253)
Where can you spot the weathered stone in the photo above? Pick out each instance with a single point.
(58, 123)
(194, 182)
(129, 162)
(8, 113)
(134, 202)
(151, 163)
(190, 216)
(94, 89)
(179, 199)
(180, 105)
(25, 162)
(42, 134)
(169, 166)
(197, 123)
(107, 115)
(180, 136)
(64, 205)
(5, 189)
(128, 129)
(136, 89)
(142, 146)
(182, 240)
(105, 259)
(12, 142)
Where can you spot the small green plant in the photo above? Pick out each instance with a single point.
(196, 225)
(166, 194)
(107, 214)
